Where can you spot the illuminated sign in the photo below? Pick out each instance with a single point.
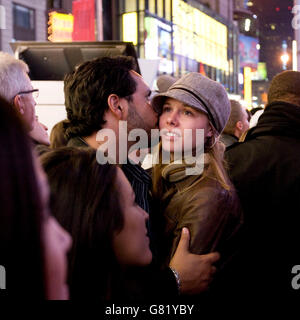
(130, 27)
(151, 38)
(248, 87)
(199, 37)
(158, 43)
(261, 72)
(249, 55)
(84, 20)
(60, 27)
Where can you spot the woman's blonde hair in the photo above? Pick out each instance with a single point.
(217, 164)
(214, 170)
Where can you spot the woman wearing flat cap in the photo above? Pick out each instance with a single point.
(193, 190)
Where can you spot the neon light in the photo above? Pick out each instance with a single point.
(130, 27)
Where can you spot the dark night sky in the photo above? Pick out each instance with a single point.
(277, 13)
(267, 8)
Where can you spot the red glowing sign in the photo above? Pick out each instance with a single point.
(84, 20)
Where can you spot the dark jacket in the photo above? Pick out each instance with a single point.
(228, 139)
(265, 170)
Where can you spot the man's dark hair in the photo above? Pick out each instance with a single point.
(88, 87)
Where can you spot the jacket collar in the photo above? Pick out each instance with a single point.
(279, 119)
(77, 142)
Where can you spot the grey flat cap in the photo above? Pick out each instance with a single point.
(201, 93)
(164, 82)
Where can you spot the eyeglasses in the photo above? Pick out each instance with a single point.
(35, 93)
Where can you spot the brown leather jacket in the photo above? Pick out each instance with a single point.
(212, 214)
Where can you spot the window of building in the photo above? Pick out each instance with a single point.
(152, 6)
(160, 8)
(130, 5)
(55, 4)
(24, 22)
(168, 10)
(142, 5)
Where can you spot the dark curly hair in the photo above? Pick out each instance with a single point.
(88, 87)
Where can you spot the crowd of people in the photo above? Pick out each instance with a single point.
(117, 232)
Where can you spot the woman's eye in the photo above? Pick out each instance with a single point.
(187, 113)
(166, 109)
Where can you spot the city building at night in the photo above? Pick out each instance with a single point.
(22, 20)
(184, 36)
(249, 47)
(275, 33)
(181, 36)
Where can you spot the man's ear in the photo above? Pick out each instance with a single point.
(239, 125)
(115, 105)
(19, 104)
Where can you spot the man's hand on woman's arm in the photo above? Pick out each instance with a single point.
(195, 272)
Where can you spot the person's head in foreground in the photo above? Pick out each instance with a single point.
(96, 204)
(33, 246)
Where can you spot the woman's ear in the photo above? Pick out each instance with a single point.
(209, 133)
(115, 107)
